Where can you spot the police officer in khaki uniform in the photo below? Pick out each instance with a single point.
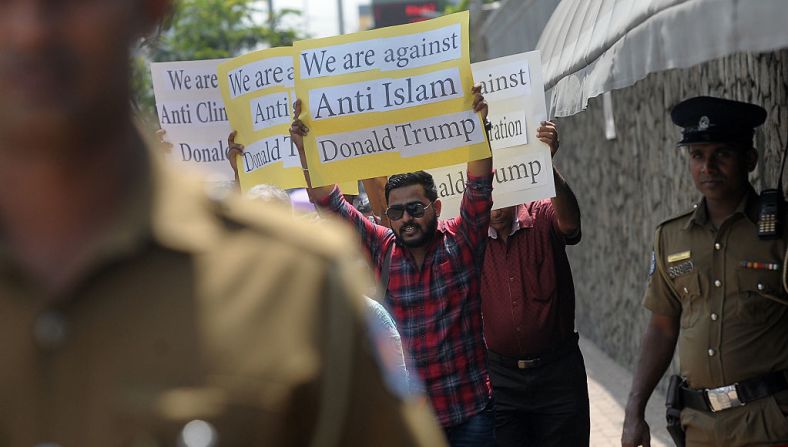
(134, 309)
(715, 288)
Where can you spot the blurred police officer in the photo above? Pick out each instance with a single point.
(715, 288)
(134, 310)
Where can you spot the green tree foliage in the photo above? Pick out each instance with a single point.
(462, 6)
(207, 29)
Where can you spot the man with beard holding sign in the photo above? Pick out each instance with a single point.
(430, 269)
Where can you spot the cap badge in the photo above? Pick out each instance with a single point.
(703, 124)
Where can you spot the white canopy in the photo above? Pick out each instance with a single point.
(593, 46)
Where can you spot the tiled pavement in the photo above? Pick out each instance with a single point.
(608, 386)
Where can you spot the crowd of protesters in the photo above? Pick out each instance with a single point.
(529, 387)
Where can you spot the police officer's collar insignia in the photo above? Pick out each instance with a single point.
(698, 214)
(653, 265)
(703, 123)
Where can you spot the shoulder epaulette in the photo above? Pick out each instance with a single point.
(677, 217)
(325, 238)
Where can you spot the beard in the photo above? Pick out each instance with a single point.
(426, 236)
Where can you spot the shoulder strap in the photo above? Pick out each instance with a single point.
(784, 267)
(384, 272)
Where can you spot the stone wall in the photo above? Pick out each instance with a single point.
(628, 185)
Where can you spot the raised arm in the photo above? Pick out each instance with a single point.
(483, 167)
(329, 197)
(476, 202)
(298, 131)
(233, 152)
(567, 210)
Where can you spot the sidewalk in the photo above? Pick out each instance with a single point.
(608, 386)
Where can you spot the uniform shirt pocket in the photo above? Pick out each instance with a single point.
(760, 295)
(688, 288)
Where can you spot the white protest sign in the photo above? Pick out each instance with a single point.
(514, 90)
(192, 112)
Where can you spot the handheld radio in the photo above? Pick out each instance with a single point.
(769, 222)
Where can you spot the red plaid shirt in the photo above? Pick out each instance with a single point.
(438, 307)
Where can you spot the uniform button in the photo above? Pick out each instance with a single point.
(198, 434)
(717, 283)
(711, 353)
(713, 317)
(717, 246)
(695, 205)
(511, 278)
(761, 286)
(49, 330)
(686, 291)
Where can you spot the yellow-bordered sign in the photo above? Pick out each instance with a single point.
(258, 94)
(388, 101)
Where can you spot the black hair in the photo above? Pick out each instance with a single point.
(413, 178)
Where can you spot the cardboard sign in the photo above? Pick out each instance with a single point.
(191, 110)
(514, 90)
(258, 91)
(388, 101)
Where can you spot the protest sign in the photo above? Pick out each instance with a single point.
(191, 111)
(258, 90)
(514, 90)
(389, 100)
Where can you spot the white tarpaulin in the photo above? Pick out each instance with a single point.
(593, 46)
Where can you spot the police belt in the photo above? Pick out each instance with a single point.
(736, 395)
(534, 361)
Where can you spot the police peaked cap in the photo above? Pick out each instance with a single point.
(715, 120)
